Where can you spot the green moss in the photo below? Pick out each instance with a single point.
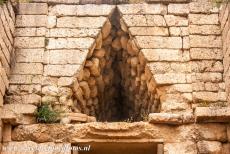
(45, 114)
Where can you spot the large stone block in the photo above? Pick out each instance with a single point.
(159, 42)
(24, 99)
(202, 6)
(67, 32)
(178, 31)
(206, 66)
(70, 43)
(170, 78)
(142, 9)
(81, 22)
(209, 96)
(25, 79)
(29, 42)
(31, 20)
(212, 132)
(172, 20)
(203, 19)
(205, 41)
(157, 31)
(144, 20)
(162, 55)
(204, 29)
(212, 114)
(30, 31)
(61, 70)
(178, 9)
(81, 10)
(29, 55)
(28, 68)
(210, 147)
(207, 77)
(206, 53)
(65, 56)
(187, 147)
(32, 8)
(27, 109)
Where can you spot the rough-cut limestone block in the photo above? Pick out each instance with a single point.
(203, 19)
(58, 1)
(206, 53)
(159, 42)
(27, 89)
(206, 66)
(205, 41)
(207, 77)
(144, 20)
(157, 31)
(167, 118)
(178, 9)
(30, 31)
(170, 78)
(28, 68)
(212, 132)
(69, 32)
(10, 21)
(202, 6)
(50, 90)
(210, 147)
(25, 79)
(81, 10)
(4, 77)
(210, 96)
(167, 1)
(32, 8)
(61, 70)
(29, 42)
(29, 55)
(31, 20)
(183, 88)
(21, 108)
(204, 29)
(24, 99)
(212, 114)
(81, 22)
(2, 86)
(178, 31)
(65, 56)
(187, 147)
(162, 54)
(142, 9)
(172, 20)
(70, 43)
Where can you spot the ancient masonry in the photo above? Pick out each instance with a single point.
(153, 76)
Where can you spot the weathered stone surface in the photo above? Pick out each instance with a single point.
(211, 147)
(202, 6)
(30, 31)
(188, 147)
(67, 32)
(26, 68)
(178, 31)
(207, 77)
(179, 9)
(32, 8)
(212, 132)
(205, 53)
(159, 42)
(203, 19)
(58, 1)
(20, 108)
(51, 21)
(225, 148)
(65, 56)
(29, 55)
(81, 22)
(156, 31)
(81, 10)
(31, 21)
(162, 55)
(205, 41)
(212, 114)
(172, 20)
(170, 78)
(144, 20)
(204, 29)
(25, 79)
(61, 70)
(70, 43)
(209, 96)
(24, 99)
(142, 9)
(29, 42)
(27, 89)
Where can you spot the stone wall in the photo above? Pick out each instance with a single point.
(224, 18)
(7, 20)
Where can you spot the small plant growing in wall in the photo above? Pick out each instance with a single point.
(46, 114)
(2, 2)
